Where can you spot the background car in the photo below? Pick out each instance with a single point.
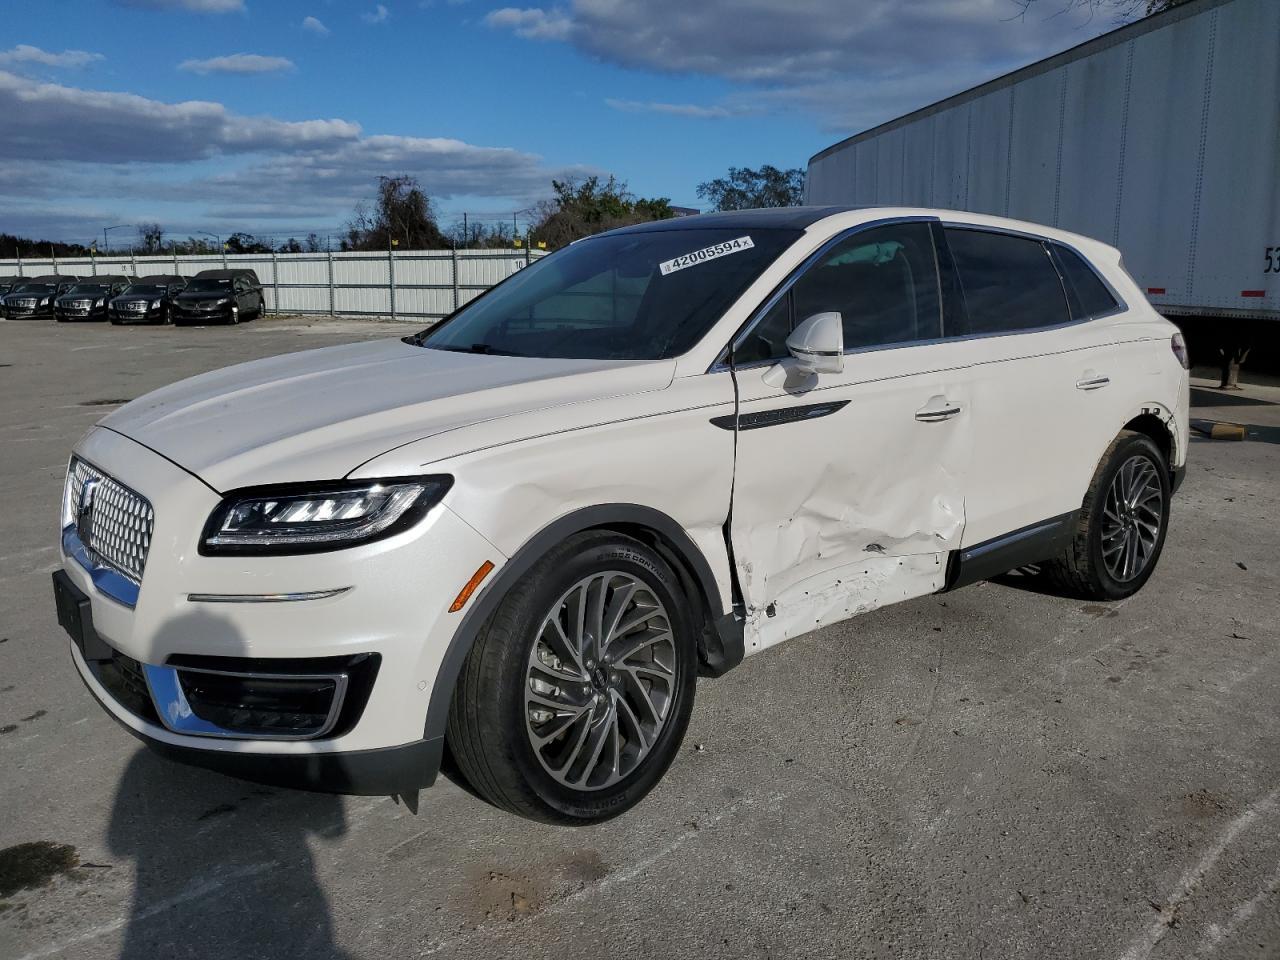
(8, 283)
(87, 300)
(148, 299)
(33, 298)
(219, 296)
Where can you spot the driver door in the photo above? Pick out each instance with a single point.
(849, 487)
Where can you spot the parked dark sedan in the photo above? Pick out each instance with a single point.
(147, 300)
(8, 283)
(33, 298)
(88, 299)
(219, 296)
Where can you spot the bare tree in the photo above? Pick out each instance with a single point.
(150, 237)
(1123, 11)
(402, 212)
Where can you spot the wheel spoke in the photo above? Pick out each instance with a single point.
(592, 726)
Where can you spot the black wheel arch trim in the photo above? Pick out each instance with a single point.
(720, 648)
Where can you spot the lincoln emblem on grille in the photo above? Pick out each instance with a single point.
(84, 512)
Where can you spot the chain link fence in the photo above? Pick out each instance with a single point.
(401, 284)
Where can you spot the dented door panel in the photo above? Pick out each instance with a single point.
(843, 511)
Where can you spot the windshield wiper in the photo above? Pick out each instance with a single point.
(484, 348)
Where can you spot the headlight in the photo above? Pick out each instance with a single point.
(224, 301)
(319, 517)
(155, 304)
(99, 303)
(44, 302)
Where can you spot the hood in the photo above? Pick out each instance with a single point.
(319, 414)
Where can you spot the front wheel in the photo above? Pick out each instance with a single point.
(1122, 525)
(576, 695)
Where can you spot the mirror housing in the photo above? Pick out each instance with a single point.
(818, 344)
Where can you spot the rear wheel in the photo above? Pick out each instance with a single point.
(1122, 525)
(576, 695)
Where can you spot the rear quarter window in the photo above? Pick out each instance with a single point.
(1088, 295)
(1009, 283)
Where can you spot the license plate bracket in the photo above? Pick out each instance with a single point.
(75, 615)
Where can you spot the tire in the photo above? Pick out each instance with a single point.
(513, 682)
(1101, 563)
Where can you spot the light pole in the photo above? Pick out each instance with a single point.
(205, 233)
(106, 247)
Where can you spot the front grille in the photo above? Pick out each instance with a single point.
(81, 304)
(114, 524)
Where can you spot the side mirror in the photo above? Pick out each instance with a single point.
(818, 344)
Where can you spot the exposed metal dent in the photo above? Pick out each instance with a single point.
(858, 587)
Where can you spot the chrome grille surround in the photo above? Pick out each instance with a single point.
(119, 525)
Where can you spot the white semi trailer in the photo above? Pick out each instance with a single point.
(1161, 138)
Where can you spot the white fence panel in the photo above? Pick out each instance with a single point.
(409, 284)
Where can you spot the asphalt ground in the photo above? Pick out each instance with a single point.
(998, 772)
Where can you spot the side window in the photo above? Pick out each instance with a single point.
(1009, 283)
(767, 340)
(1088, 295)
(883, 282)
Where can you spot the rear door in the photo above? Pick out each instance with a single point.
(1040, 382)
(849, 488)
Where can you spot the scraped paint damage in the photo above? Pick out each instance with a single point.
(837, 556)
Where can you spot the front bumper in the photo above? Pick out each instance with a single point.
(184, 315)
(149, 315)
(64, 315)
(395, 606)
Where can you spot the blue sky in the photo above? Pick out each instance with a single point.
(276, 116)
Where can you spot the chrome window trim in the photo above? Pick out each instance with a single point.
(176, 714)
(722, 364)
(1046, 242)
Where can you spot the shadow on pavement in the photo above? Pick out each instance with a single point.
(224, 868)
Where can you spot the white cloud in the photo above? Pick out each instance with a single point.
(532, 24)
(692, 110)
(313, 25)
(194, 6)
(26, 54)
(150, 155)
(379, 14)
(238, 63)
(791, 49)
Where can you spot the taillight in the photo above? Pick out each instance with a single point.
(1179, 345)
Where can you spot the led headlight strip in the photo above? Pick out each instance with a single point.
(312, 518)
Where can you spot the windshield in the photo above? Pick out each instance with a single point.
(143, 289)
(632, 296)
(209, 285)
(90, 288)
(35, 288)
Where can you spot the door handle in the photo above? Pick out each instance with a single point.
(937, 410)
(1092, 381)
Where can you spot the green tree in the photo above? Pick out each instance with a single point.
(584, 207)
(747, 189)
(401, 212)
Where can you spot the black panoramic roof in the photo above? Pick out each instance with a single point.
(50, 278)
(768, 218)
(105, 278)
(222, 274)
(158, 279)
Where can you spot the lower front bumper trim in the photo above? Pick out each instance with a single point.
(367, 773)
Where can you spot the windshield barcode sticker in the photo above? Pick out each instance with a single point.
(713, 252)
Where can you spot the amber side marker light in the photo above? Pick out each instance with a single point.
(465, 594)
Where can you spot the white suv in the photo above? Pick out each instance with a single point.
(509, 544)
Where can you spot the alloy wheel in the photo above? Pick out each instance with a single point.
(600, 681)
(1132, 515)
